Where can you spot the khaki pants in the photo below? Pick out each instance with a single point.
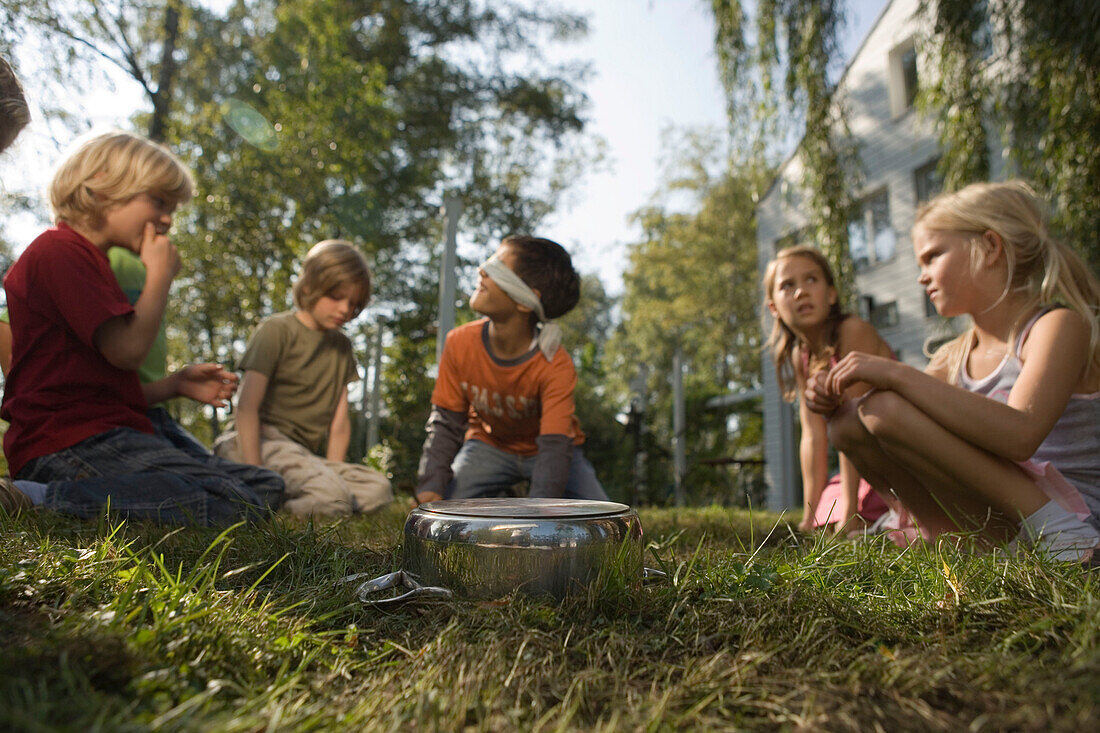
(314, 485)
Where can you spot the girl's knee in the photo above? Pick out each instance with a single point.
(845, 430)
(882, 413)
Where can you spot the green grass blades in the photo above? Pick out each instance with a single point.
(125, 626)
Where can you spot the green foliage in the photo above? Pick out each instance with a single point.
(369, 110)
(958, 96)
(588, 328)
(797, 39)
(1037, 92)
(691, 282)
(137, 627)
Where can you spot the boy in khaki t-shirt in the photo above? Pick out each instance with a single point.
(294, 396)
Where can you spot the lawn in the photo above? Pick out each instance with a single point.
(135, 627)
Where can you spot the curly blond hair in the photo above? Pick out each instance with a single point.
(111, 168)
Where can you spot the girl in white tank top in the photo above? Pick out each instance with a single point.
(1071, 445)
(1000, 435)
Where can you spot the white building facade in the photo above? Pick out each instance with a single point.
(898, 154)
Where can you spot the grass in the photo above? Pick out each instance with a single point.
(134, 627)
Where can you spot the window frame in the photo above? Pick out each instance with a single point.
(902, 94)
(866, 213)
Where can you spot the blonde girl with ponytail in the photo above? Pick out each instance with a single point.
(1000, 435)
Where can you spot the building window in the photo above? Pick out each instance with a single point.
(871, 237)
(928, 181)
(879, 315)
(789, 196)
(903, 78)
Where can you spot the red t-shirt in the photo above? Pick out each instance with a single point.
(509, 403)
(60, 389)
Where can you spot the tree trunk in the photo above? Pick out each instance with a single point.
(162, 97)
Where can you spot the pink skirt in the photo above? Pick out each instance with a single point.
(870, 504)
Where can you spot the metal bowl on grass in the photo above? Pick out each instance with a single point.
(488, 548)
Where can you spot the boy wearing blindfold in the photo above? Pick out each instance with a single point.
(502, 408)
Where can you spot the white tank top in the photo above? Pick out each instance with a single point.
(1073, 444)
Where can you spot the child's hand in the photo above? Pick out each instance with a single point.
(207, 383)
(818, 397)
(158, 254)
(857, 366)
(424, 497)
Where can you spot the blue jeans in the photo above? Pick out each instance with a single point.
(175, 434)
(482, 470)
(148, 477)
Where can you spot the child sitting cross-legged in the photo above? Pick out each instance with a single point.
(1000, 435)
(294, 397)
(502, 408)
(80, 439)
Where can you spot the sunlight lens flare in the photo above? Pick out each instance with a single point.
(250, 125)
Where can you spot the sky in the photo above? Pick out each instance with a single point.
(654, 67)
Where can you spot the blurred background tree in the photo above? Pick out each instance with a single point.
(691, 285)
(1025, 76)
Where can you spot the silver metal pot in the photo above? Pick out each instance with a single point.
(488, 548)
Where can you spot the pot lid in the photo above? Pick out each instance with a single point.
(525, 508)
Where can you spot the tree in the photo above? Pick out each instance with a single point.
(139, 38)
(1040, 98)
(588, 329)
(798, 40)
(691, 283)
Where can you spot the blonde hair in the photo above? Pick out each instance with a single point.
(14, 114)
(109, 169)
(1045, 270)
(782, 339)
(329, 266)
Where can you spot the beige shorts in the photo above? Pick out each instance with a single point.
(314, 485)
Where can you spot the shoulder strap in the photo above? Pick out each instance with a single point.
(1030, 324)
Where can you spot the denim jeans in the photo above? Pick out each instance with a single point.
(265, 482)
(175, 434)
(482, 470)
(146, 476)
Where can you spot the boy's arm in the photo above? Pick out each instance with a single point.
(552, 465)
(339, 432)
(446, 429)
(125, 340)
(253, 389)
(555, 444)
